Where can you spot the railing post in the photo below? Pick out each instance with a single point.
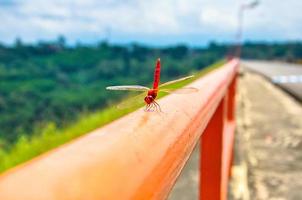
(217, 148)
(231, 100)
(211, 156)
(231, 115)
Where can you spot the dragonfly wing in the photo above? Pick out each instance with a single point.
(186, 90)
(132, 102)
(128, 87)
(176, 81)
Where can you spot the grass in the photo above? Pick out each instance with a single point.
(50, 137)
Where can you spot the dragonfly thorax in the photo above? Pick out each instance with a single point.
(153, 93)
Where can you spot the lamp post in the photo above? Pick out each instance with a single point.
(241, 10)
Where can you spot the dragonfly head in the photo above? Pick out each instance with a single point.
(149, 99)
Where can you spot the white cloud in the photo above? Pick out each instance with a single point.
(215, 19)
(89, 19)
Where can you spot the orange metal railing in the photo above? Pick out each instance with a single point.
(140, 155)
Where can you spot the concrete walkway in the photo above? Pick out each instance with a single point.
(268, 142)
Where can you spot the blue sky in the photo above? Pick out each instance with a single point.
(157, 22)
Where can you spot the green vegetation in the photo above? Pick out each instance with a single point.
(51, 136)
(51, 93)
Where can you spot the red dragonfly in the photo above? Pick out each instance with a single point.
(152, 93)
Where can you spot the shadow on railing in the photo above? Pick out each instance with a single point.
(140, 155)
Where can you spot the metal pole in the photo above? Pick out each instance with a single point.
(239, 34)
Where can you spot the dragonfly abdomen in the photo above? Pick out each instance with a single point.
(156, 74)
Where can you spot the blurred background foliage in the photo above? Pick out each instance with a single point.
(52, 83)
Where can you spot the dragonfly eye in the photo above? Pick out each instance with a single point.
(149, 99)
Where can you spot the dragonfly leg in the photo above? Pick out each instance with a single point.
(147, 107)
(157, 106)
(152, 107)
